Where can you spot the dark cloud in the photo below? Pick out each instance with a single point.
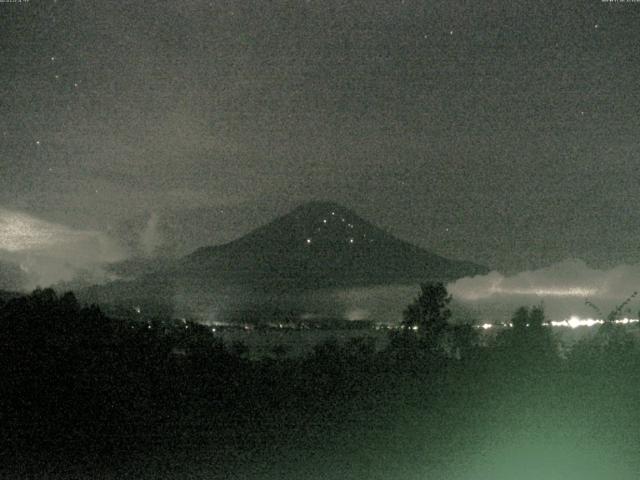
(498, 132)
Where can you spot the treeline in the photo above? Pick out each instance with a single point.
(73, 378)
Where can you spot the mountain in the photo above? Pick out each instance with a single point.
(320, 259)
(321, 244)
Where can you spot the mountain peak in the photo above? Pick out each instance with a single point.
(321, 207)
(318, 224)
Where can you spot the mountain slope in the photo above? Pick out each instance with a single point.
(321, 259)
(320, 244)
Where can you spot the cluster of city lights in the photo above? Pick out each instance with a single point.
(572, 322)
(575, 322)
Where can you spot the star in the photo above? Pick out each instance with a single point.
(53, 59)
(37, 142)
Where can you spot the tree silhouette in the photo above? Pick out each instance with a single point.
(464, 340)
(530, 338)
(428, 315)
(536, 317)
(612, 338)
(520, 319)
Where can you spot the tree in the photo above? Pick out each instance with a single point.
(536, 317)
(464, 340)
(520, 319)
(612, 337)
(530, 338)
(429, 314)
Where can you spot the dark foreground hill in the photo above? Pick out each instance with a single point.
(5, 296)
(85, 396)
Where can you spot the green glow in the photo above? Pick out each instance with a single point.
(544, 454)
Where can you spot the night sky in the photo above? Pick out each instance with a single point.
(505, 133)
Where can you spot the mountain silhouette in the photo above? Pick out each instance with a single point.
(320, 244)
(299, 262)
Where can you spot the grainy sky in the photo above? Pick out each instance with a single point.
(501, 132)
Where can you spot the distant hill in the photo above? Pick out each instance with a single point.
(319, 246)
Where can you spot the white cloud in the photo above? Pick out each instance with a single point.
(562, 288)
(151, 238)
(49, 253)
